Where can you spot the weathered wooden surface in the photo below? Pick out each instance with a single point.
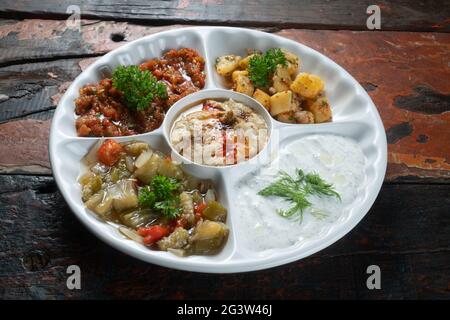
(37, 40)
(405, 233)
(429, 15)
(405, 74)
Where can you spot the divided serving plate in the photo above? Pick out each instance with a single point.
(354, 116)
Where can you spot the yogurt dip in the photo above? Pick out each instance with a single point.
(338, 160)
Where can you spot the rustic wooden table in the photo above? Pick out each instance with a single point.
(405, 68)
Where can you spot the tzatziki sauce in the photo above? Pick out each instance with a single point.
(338, 160)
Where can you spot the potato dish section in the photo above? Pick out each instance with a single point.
(274, 78)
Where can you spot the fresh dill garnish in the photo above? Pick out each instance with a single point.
(139, 88)
(261, 67)
(316, 185)
(296, 189)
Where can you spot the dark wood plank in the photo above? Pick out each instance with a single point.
(426, 15)
(403, 72)
(406, 233)
(41, 40)
(27, 89)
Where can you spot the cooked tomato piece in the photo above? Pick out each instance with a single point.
(198, 210)
(181, 222)
(109, 152)
(153, 233)
(207, 106)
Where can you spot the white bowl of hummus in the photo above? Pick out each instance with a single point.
(218, 128)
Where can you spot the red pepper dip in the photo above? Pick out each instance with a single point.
(101, 108)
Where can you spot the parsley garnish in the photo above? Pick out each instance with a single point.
(164, 187)
(147, 197)
(261, 67)
(296, 189)
(160, 195)
(169, 208)
(138, 87)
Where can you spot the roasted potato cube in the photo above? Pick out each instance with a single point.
(307, 85)
(237, 73)
(320, 108)
(286, 117)
(225, 65)
(243, 64)
(262, 98)
(244, 85)
(293, 62)
(281, 79)
(303, 117)
(281, 102)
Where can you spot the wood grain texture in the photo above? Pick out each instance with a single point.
(41, 40)
(404, 73)
(24, 147)
(406, 233)
(403, 15)
(32, 88)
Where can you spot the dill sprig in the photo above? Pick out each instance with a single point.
(316, 185)
(296, 190)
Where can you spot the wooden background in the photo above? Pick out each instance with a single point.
(405, 68)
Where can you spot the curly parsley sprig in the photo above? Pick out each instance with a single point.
(139, 88)
(295, 189)
(261, 67)
(160, 195)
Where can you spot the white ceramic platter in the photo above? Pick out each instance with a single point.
(354, 116)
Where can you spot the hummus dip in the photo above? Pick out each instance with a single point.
(220, 134)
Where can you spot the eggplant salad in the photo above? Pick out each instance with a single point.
(152, 199)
